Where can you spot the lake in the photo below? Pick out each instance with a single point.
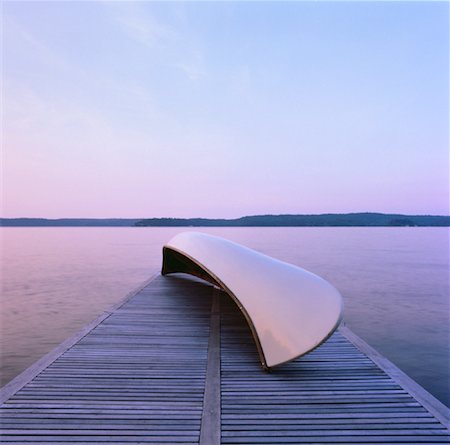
(395, 284)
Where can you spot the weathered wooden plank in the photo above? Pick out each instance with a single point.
(95, 438)
(318, 439)
(298, 433)
(210, 426)
(22, 379)
(434, 406)
(325, 397)
(143, 382)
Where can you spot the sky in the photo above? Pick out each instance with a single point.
(224, 109)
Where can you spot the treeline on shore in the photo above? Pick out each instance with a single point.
(330, 219)
(323, 220)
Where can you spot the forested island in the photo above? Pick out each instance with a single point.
(323, 220)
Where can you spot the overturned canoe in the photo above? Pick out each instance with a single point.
(290, 310)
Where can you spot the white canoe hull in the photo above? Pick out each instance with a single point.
(290, 310)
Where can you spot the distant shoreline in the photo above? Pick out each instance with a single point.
(367, 219)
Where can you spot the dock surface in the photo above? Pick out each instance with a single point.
(175, 363)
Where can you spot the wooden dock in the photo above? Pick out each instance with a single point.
(175, 363)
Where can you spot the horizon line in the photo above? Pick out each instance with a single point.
(221, 218)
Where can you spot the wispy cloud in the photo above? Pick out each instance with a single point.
(15, 31)
(143, 27)
(193, 65)
(240, 80)
(175, 40)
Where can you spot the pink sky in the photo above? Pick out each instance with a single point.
(143, 109)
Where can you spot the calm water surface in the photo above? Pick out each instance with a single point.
(395, 283)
